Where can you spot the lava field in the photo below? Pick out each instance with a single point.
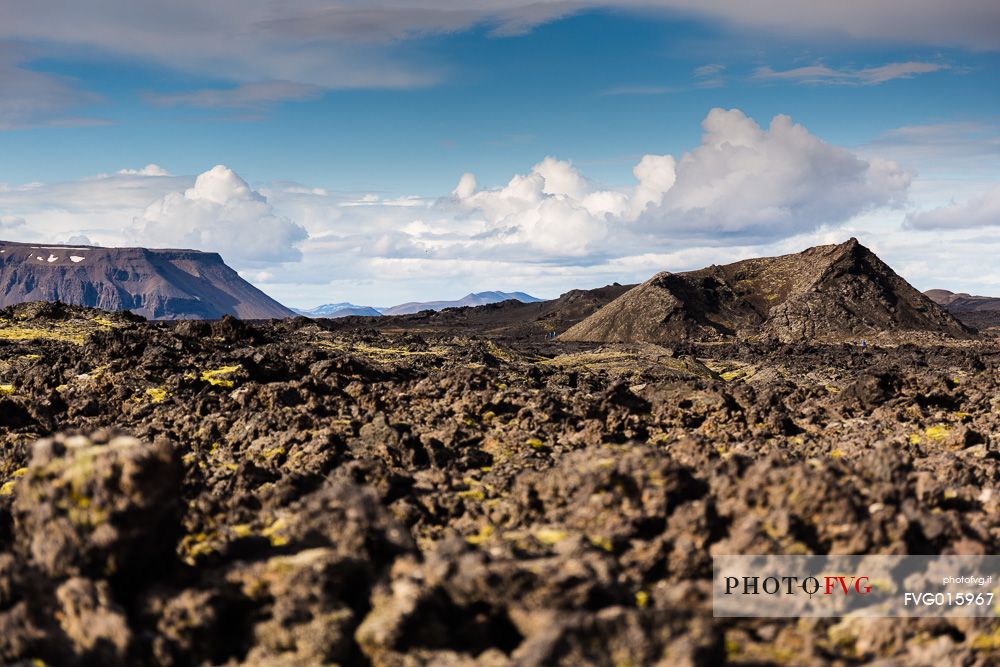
(300, 493)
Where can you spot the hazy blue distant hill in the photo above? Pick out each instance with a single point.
(332, 310)
(474, 299)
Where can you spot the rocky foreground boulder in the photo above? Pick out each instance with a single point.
(89, 575)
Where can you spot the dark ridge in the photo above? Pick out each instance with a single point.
(981, 312)
(829, 293)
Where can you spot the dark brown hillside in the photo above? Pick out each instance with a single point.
(830, 293)
(981, 312)
(512, 319)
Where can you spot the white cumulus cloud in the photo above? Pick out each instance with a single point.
(981, 211)
(222, 213)
(743, 182)
(552, 209)
(767, 183)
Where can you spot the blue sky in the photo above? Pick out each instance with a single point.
(355, 121)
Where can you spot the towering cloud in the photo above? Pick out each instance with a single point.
(221, 213)
(552, 209)
(743, 182)
(751, 182)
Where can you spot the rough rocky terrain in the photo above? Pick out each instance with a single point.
(157, 284)
(300, 493)
(831, 293)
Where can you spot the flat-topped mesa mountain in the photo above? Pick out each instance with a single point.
(827, 293)
(981, 312)
(473, 299)
(157, 284)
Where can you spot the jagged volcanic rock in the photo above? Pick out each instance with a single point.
(830, 293)
(294, 493)
(157, 284)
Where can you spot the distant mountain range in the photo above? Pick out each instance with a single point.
(474, 299)
(509, 318)
(841, 292)
(334, 310)
(981, 312)
(157, 284)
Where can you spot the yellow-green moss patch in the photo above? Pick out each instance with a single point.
(550, 536)
(105, 322)
(220, 377)
(65, 333)
(484, 534)
(937, 433)
(156, 395)
(472, 494)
